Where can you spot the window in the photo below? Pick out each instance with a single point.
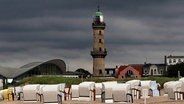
(155, 71)
(170, 61)
(174, 60)
(179, 60)
(100, 32)
(161, 72)
(107, 71)
(100, 40)
(151, 71)
(111, 72)
(100, 49)
(100, 71)
(145, 71)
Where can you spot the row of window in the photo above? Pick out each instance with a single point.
(153, 71)
(174, 60)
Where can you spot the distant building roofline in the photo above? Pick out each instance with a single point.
(171, 56)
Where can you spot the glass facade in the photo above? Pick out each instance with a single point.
(44, 69)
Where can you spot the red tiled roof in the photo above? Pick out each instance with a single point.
(139, 68)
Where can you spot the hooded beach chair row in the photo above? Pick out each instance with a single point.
(143, 88)
(44, 93)
(108, 92)
(112, 91)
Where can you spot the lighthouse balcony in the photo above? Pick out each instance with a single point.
(98, 25)
(98, 53)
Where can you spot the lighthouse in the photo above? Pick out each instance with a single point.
(99, 51)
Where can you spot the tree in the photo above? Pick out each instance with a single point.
(172, 70)
(83, 72)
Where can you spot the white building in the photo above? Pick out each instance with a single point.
(172, 60)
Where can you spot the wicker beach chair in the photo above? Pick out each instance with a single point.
(51, 94)
(135, 88)
(87, 91)
(122, 93)
(107, 91)
(74, 92)
(29, 92)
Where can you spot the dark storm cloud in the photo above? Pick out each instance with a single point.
(37, 30)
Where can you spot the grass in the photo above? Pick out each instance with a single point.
(69, 81)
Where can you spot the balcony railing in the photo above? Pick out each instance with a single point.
(98, 53)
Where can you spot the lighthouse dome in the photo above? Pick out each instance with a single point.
(99, 16)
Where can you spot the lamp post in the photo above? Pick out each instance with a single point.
(67, 65)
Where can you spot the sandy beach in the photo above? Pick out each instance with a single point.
(151, 100)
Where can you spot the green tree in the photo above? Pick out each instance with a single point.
(172, 70)
(83, 72)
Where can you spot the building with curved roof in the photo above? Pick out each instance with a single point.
(51, 67)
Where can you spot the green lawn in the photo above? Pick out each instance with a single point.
(69, 81)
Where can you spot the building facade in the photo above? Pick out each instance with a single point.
(172, 60)
(126, 71)
(154, 70)
(99, 51)
(111, 72)
(51, 67)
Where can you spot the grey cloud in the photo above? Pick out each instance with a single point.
(38, 30)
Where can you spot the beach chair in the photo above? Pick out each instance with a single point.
(5, 94)
(29, 92)
(51, 94)
(18, 93)
(135, 88)
(181, 92)
(166, 87)
(154, 89)
(145, 88)
(67, 93)
(181, 79)
(10, 93)
(39, 93)
(122, 93)
(107, 91)
(1, 94)
(98, 89)
(87, 91)
(74, 92)
(174, 89)
(62, 90)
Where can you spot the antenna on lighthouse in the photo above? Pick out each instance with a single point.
(98, 5)
(98, 8)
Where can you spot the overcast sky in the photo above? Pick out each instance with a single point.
(137, 31)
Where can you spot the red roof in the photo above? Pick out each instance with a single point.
(139, 68)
